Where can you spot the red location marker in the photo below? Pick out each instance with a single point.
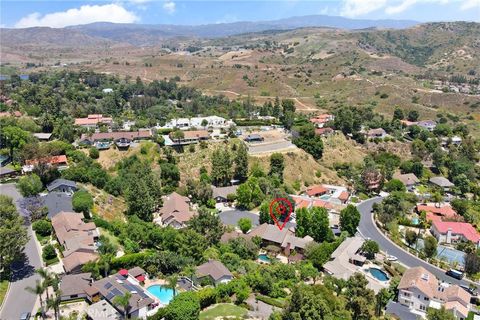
(280, 211)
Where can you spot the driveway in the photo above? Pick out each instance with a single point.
(231, 217)
(18, 300)
(368, 229)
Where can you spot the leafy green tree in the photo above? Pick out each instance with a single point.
(413, 115)
(349, 219)
(360, 300)
(265, 213)
(370, 248)
(170, 176)
(308, 271)
(241, 163)
(82, 201)
(411, 237)
(430, 246)
(14, 236)
(107, 247)
(38, 290)
(395, 185)
(439, 314)
(382, 298)
(309, 141)
(462, 183)
(277, 165)
(249, 194)
(185, 306)
(30, 185)
(221, 167)
(93, 153)
(472, 263)
(48, 252)
(208, 224)
(245, 224)
(320, 229)
(42, 227)
(398, 113)
(14, 138)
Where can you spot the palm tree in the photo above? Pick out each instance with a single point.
(189, 271)
(172, 283)
(124, 303)
(54, 303)
(47, 279)
(38, 290)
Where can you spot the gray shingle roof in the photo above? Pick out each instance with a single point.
(441, 182)
(59, 182)
(214, 269)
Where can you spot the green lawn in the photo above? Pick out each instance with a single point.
(110, 236)
(3, 290)
(223, 310)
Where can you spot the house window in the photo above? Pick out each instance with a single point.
(406, 294)
(422, 307)
(426, 298)
(418, 296)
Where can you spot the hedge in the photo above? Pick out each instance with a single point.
(271, 301)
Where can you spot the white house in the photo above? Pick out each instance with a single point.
(419, 290)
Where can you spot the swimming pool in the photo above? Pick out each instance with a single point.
(415, 221)
(263, 257)
(325, 197)
(378, 274)
(162, 293)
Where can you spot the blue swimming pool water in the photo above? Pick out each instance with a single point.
(415, 221)
(378, 274)
(263, 257)
(162, 293)
(325, 197)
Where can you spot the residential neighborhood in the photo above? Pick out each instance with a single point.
(320, 167)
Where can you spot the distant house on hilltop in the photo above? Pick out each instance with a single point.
(93, 120)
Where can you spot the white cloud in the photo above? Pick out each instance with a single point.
(83, 15)
(400, 7)
(354, 8)
(470, 4)
(169, 6)
(406, 4)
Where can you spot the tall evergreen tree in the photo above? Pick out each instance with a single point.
(241, 163)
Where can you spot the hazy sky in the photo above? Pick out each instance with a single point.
(62, 13)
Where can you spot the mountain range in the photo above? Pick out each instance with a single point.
(148, 34)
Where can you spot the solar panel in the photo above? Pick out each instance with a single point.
(107, 285)
(110, 296)
(143, 294)
(116, 292)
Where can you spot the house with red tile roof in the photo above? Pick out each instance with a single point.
(316, 190)
(58, 161)
(93, 120)
(324, 131)
(320, 120)
(453, 232)
(439, 213)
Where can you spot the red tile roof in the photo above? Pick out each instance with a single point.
(51, 160)
(344, 196)
(321, 118)
(316, 190)
(444, 211)
(92, 119)
(461, 228)
(322, 204)
(321, 131)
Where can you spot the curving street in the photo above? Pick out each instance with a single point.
(18, 300)
(368, 229)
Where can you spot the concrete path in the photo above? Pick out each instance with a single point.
(18, 300)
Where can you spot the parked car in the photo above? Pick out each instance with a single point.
(455, 274)
(25, 316)
(473, 292)
(392, 258)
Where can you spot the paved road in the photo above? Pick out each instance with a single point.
(256, 148)
(18, 299)
(368, 229)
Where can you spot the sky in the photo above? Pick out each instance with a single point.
(61, 13)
